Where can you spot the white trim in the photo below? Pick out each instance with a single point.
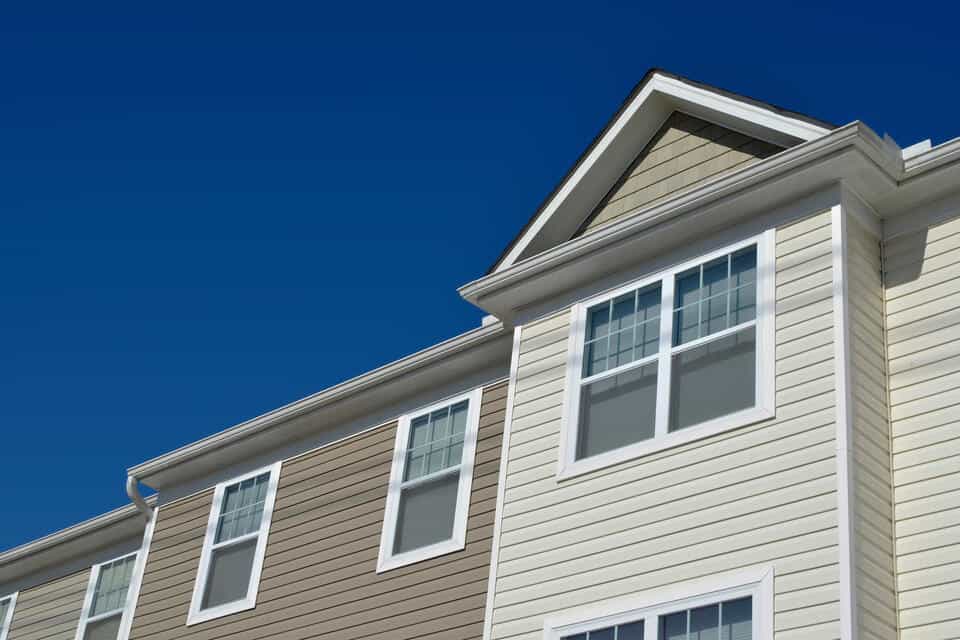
(198, 614)
(844, 412)
(756, 582)
(136, 581)
(764, 406)
(501, 484)
(8, 619)
(677, 90)
(386, 559)
(123, 611)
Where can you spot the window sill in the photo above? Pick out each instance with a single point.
(419, 555)
(196, 617)
(573, 468)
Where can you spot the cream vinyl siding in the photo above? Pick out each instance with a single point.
(685, 152)
(50, 611)
(872, 521)
(923, 335)
(762, 494)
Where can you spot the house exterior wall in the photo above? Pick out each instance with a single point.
(685, 152)
(923, 337)
(761, 494)
(50, 611)
(319, 575)
(872, 483)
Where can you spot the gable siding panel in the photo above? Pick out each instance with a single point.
(924, 325)
(765, 493)
(50, 611)
(685, 152)
(319, 576)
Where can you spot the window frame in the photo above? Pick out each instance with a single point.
(387, 559)
(95, 571)
(8, 619)
(649, 606)
(764, 392)
(197, 614)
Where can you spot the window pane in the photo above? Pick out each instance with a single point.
(4, 607)
(674, 626)
(622, 330)
(436, 441)
(737, 620)
(715, 296)
(602, 634)
(705, 623)
(598, 321)
(106, 629)
(579, 636)
(632, 631)
(425, 513)
(595, 357)
(713, 379)
(229, 576)
(113, 581)
(242, 508)
(617, 411)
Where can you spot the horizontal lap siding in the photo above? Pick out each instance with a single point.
(684, 152)
(763, 494)
(923, 306)
(319, 574)
(50, 611)
(872, 478)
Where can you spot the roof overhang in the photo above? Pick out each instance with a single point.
(73, 542)
(653, 100)
(438, 365)
(852, 154)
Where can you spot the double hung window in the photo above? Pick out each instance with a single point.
(727, 620)
(671, 358)
(108, 597)
(430, 479)
(234, 545)
(7, 604)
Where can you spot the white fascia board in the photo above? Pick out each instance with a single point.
(639, 121)
(852, 154)
(167, 468)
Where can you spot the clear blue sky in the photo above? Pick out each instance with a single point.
(209, 210)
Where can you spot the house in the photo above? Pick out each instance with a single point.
(716, 396)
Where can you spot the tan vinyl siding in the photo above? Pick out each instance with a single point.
(685, 152)
(319, 574)
(923, 334)
(762, 494)
(50, 611)
(872, 524)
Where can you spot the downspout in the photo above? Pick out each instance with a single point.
(133, 490)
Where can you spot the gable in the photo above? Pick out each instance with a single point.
(685, 152)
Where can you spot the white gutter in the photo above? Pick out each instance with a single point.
(133, 491)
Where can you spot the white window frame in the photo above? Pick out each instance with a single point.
(388, 560)
(764, 404)
(8, 620)
(756, 582)
(86, 618)
(196, 613)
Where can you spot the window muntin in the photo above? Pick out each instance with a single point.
(628, 631)
(730, 620)
(108, 595)
(7, 605)
(234, 545)
(430, 479)
(678, 356)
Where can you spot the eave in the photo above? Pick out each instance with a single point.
(853, 154)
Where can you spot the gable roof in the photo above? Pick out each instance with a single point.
(658, 94)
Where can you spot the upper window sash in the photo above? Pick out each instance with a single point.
(240, 513)
(108, 593)
(7, 605)
(654, 359)
(424, 452)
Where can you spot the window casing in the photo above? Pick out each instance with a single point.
(734, 606)
(107, 600)
(428, 498)
(677, 356)
(7, 605)
(234, 545)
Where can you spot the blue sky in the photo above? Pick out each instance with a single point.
(209, 210)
